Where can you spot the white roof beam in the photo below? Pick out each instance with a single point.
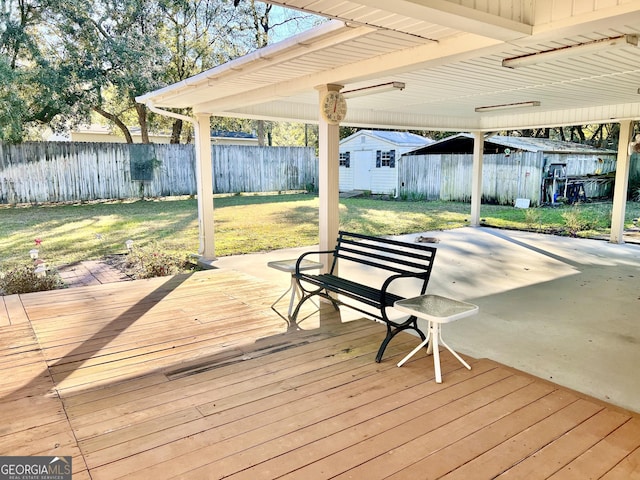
(441, 12)
(447, 13)
(601, 19)
(372, 68)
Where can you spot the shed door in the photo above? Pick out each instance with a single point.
(362, 161)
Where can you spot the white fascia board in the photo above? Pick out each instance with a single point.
(558, 118)
(383, 65)
(365, 119)
(320, 37)
(423, 121)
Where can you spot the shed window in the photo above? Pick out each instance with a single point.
(386, 158)
(345, 159)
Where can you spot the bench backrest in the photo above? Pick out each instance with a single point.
(392, 255)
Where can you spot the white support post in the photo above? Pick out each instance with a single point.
(204, 180)
(328, 181)
(476, 180)
(621, 184)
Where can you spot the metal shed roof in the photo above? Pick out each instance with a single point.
(403, 139)
(463, 143)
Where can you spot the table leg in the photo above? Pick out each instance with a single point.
(415, 350)
(455, 354)
(434, 330)
(273, 305)
(294, 290)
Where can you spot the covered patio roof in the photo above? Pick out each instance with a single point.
(461, 65)
(450, 58)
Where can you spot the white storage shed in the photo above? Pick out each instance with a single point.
(368, 159)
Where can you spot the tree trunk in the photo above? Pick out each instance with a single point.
(176, 131)
(598, 136)
(142, 120)
(563, 137)
(117, 121)
(261, 133)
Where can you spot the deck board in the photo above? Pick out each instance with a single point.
(196, 377)
(4, 314)
(15, 310)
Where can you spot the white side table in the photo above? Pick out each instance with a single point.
(289, 265)
(436, 310)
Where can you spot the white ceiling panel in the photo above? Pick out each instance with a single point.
(448, 72)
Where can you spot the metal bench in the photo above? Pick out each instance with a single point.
(410, 265)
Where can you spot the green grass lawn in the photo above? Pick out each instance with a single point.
(254, 223)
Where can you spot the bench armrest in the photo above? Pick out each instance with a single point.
(424, 276)
(306, 254)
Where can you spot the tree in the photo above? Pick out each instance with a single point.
(37, 86)
(603, 135)
(116, 55)
(11, 104)
(267, 22)
(62, 60)
(295, 134)
(197, 34)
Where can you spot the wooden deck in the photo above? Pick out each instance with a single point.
(196, 377)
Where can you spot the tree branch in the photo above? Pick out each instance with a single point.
(117, 121)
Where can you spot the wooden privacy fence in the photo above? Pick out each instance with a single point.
(504, 178)
(38, 172)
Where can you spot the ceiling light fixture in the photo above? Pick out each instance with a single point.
(507, 106)
(373, 89)
(570, 51)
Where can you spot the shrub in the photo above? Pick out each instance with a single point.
(151, 262)
(533, 218)
(23, 279)
(576, 220)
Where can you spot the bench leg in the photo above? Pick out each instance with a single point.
(392, 332)
(293, 317)
(385, 342)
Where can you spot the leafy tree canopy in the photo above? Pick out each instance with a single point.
(62, 61)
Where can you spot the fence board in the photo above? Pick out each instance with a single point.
(504, 178)
(39, 172)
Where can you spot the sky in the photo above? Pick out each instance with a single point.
(303, 22)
